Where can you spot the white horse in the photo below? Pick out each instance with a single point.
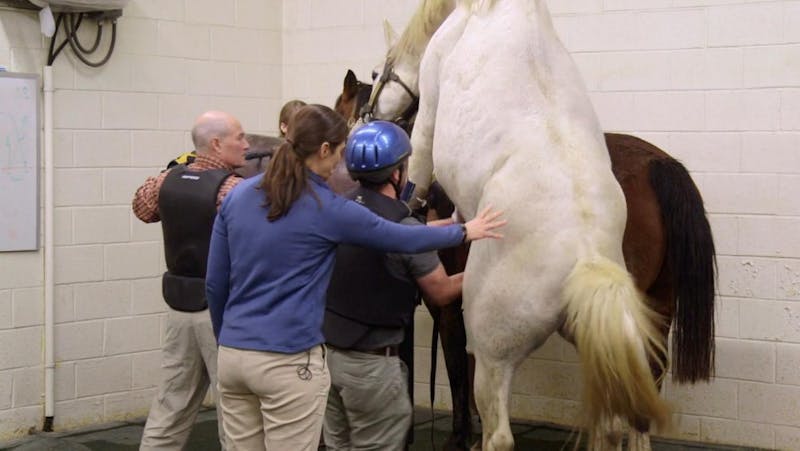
(504, 120)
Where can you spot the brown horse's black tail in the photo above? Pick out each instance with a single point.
(691, 261)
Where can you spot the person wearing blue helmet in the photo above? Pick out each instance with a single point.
(374, 152)
(271, 256)
(371, 302)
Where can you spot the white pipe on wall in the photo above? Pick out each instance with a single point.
(49, 280)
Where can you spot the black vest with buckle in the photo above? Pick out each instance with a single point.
(187, 205)
(362, 288)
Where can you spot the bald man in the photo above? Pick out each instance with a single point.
(185, 198)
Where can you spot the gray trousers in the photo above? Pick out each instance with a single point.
(368, 404)
(188, 368)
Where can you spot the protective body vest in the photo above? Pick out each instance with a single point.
(187, 207)
(362, 289)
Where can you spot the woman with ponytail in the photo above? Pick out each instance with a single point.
(270, 260)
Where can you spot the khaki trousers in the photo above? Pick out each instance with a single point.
(272, 401)
(368, 404)
(188, 368)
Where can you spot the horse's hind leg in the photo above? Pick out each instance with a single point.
(638, 441)
(611, 439)
(639, 434)
(492, 395)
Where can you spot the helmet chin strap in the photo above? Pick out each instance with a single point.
(398, 188)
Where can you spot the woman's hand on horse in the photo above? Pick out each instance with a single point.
(482, 226)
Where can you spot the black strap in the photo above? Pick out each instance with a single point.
(434, 353)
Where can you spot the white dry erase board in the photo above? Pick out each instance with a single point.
(19, 162)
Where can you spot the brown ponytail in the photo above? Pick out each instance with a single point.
(286, 177)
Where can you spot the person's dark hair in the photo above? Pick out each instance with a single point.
(287, 111)
(384, 176)
(286, 177)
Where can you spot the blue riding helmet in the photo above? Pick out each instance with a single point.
(374, 150)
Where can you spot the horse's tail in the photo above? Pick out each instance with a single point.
(615, 332)
(691, 261)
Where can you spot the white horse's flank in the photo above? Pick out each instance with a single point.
(504, 120)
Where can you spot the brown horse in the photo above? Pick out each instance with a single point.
(354, 95)
(668, 248)
(262, 148)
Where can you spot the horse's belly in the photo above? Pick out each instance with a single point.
(541, 195)
(512, 294)
(513, 286)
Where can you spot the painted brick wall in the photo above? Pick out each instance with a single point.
(716, 83)
(115, 125)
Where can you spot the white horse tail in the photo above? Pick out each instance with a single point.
(615, 331)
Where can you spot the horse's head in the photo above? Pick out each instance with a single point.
(395, 91)
(354, 95)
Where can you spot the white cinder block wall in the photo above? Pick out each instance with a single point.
(114, 126)
(716, 83)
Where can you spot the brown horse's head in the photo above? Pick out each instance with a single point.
(349, 104)
(354, 95)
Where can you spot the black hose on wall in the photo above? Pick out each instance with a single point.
(71, 23)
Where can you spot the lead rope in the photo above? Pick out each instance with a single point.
(434, 352)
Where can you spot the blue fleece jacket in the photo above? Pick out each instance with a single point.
(266, 281)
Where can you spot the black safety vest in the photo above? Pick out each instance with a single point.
(361, 287)
(187, 205)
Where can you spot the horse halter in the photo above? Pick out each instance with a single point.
(405, 120)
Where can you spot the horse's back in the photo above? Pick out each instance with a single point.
(644, 245)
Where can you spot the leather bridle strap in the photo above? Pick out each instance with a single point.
(404, 120)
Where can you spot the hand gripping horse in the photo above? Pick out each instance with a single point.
(535, 150)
